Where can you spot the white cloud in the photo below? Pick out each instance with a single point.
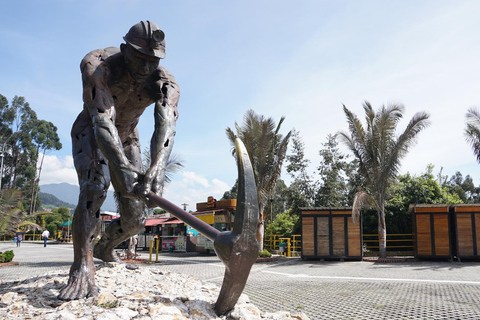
(193, 188)
(57, 170)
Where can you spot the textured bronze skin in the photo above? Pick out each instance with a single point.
(118, 85)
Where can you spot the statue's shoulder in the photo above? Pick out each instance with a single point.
(97, 58)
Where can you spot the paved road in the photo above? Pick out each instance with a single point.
(323, 290)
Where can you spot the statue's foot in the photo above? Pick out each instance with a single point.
(81, 284)
(106, 255)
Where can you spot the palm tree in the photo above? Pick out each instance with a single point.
(472, 131)
(267, 149)
(12, 216)
(379, 151)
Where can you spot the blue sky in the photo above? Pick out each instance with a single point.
(298, 59)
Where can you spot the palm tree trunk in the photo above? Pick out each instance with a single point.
(382, 233)
(261, 228)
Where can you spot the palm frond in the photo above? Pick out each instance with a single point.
(472, 131)
(361, 201)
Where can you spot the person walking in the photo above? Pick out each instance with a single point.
(19, 235)
(45, 236)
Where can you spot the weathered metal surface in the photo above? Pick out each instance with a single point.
(118, 85)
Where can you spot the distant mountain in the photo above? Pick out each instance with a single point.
(50, 199)
(69, 193)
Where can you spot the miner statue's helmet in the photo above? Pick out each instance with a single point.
(146, 37)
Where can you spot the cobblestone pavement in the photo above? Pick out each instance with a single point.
(320, 289)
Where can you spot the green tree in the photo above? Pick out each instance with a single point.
(335, 173)
(411, 189)
(301, 192)
(267, 149)
(45, 138)
(232, 193)
(379, 152)
(283, 224)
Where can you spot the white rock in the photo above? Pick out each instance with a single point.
(66, 315)
(246, 311)
(125, 313)
(142, 294)
(201, 310)
(9, 297)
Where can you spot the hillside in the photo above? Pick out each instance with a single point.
(50, 199)
(69, 193)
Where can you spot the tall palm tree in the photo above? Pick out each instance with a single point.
(472, 131)
(267, 149)
(379, 152)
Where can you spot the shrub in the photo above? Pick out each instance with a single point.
(7, 256)
(264, 254)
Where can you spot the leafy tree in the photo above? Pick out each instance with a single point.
(379, 152)
(412, 189)
(283, 224)
(23, 137)
(45, 138)
(301, 192)
(334, 172)
(232, 194)
(20, 167)
(267, 149)
(464, 188)
(158, 211)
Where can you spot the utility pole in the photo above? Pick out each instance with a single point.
(185, 205)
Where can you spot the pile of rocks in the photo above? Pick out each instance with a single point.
(143, 293)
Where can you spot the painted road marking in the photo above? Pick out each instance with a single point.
(371, 279)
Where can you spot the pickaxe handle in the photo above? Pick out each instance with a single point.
(199, 225)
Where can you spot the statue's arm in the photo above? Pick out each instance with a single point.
(166, 115)
(99, 103)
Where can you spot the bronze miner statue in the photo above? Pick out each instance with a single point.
(118, 85)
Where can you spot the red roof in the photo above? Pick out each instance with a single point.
(154, 222)
(173, 221)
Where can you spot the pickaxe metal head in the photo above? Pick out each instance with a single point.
(238, 249)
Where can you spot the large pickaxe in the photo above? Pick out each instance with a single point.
(238, 249)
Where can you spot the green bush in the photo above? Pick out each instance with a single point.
(264, 254)
(7, 256)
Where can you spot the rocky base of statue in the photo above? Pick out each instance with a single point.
(144, 293)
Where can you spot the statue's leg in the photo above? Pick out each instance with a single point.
(132, 216)
(94, 179)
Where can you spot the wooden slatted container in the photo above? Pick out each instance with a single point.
(330, 233)
(432, 232)
(466, 223)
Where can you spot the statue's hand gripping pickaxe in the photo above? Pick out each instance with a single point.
(238, 249)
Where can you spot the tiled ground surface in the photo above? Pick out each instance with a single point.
(322, 290)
